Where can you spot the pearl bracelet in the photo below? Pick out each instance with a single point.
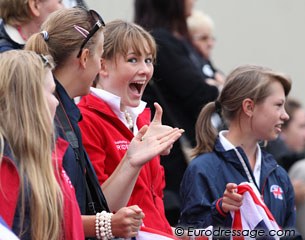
(103, 225)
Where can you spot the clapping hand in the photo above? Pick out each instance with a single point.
(152, 141)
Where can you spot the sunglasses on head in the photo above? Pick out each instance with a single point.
(45, 60)
(99, 22)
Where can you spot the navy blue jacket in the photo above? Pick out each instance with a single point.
(71, 164)
(205, 180)
(6, 43)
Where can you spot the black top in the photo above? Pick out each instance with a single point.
(283, 155)
(72, 163)
(180, 82)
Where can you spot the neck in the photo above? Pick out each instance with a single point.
(27, 30)
(69, 81)
(249, 145)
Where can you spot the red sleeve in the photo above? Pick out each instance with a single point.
(9, 190)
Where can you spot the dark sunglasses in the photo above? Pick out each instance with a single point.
(99, 22)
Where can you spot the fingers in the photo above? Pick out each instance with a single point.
(171, 136)
(166, 136)
(127, 221)
(139, 214)
(231, 200)
(231, 187)
(167, 150)
(141, 133)
(158, 113)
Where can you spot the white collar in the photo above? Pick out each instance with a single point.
(13, 34)
(114, 102)
(227, 145)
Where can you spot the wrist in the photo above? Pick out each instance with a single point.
(132, 164)
(219, 208)
(103, 228)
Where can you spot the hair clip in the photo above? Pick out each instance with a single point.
(81, 30)
(45, 35)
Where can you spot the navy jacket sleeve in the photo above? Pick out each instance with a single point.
(198, 192)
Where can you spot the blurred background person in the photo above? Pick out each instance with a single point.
(297, 175)
(72, 3)
(289, 147)
(178, 85)
(20, 19)
(201, 28)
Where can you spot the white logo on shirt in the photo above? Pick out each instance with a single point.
(122, 145)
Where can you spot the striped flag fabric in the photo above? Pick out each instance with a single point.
(252, 215)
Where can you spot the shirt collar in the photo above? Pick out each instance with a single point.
(13, 33)
(114, 102)
(227, 145)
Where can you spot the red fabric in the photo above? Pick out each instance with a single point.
(219, 209)
(9, 190)
(106, 140)
(73, 225)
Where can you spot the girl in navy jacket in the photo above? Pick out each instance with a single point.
(252, 103)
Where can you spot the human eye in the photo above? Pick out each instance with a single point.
(148, 60)
(132, 60)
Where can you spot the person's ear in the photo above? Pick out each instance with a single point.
(34, 7)
(104, 68)
(248, 107)
(84, 57)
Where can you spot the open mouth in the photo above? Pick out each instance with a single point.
(137, 86)
(279, 127)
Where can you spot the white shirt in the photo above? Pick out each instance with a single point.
(114, 102)
(227, 145)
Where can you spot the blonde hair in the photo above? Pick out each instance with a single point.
(199, 19)
(63, 38)
(14, 12)
(25, 128)
(120, 36)
(247, 81)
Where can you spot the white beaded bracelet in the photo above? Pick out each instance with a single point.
(103, 225)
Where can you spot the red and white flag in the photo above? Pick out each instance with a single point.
(253, 214)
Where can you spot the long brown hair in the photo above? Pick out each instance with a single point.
(247, 81)
(25, 127)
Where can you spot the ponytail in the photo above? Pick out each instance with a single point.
(37, 43)
(206, 133)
